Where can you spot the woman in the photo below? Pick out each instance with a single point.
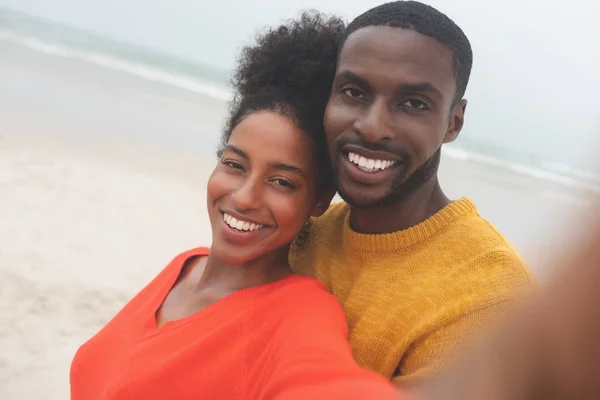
(234, 322)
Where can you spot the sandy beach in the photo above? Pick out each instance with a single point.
(80, 236)
(102, 182)
(83, 232)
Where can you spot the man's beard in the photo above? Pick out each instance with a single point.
(400, 190)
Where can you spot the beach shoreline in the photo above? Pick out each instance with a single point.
(102, 183)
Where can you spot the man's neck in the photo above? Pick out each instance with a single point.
(416, 208)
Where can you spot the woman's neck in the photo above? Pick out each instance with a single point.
(231, 278)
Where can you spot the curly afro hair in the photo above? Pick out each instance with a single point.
(290, 70)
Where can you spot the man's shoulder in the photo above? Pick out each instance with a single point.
(330, 225)
(336, 212)
(325, 233)
(487, 252)
(476, 232)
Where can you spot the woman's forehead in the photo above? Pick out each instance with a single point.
(268, 135)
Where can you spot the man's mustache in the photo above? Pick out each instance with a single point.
(379, 146)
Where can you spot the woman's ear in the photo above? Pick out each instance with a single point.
(323, 201)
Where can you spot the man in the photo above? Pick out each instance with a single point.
(418, 275)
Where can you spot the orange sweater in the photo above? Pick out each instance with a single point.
(286, 340)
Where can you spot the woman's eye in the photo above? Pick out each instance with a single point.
(284, 183)
(233, 164)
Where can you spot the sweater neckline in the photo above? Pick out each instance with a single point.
(410, 236)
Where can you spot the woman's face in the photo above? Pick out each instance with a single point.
(263, 189)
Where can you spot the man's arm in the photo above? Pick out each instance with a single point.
(549, 351)
(491, 287)
(435, 352)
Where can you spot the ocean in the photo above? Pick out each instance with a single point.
(69, 43)
(105, 152)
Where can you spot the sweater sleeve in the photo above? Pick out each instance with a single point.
(313, 359)
(479, 312)
(433, 352)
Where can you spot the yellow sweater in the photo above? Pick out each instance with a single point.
(412, 297)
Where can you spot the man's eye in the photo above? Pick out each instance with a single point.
(354, 93)
(414, 103)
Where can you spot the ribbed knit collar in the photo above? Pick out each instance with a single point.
(411, 236)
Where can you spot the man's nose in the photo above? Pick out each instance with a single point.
(374, 125)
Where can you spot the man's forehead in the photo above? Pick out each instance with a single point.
(384, 47)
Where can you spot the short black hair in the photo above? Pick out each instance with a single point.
(427, 21)
(290, 70)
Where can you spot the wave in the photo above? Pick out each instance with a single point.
(193, 84)
(76, 44)
(556, 173)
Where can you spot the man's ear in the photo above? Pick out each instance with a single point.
(323, 201)
(457, 120)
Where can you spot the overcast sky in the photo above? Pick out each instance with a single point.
(536, 77)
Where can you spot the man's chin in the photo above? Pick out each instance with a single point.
(359, 199)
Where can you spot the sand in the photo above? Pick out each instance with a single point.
(84, 227)
(80, 235)
(102, 182)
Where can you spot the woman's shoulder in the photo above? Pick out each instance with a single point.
(182, 258)
(304, 301)
(308, 288)
(193, 252)
(174, 267)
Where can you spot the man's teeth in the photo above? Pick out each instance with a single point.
(239, 224)
(368, 164)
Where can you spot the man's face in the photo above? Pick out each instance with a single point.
(392, 106)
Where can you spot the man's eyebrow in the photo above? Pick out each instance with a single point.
(418, 87)
(351, 76)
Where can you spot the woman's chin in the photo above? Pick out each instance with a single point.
(231, 255)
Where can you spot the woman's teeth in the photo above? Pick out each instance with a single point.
(239, 224)
(368, 164)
